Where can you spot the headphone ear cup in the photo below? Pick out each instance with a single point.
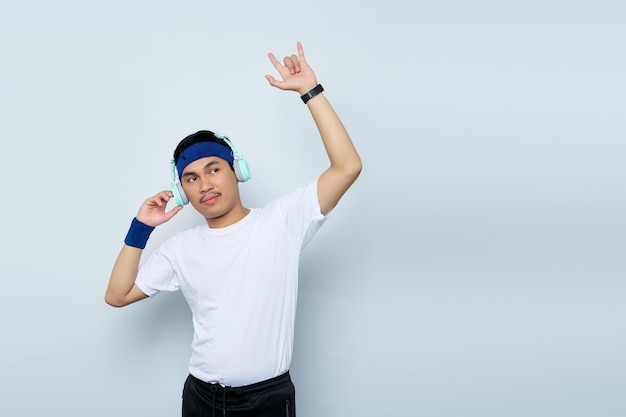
(179, 194)
(240, 165)
(242, 171)
(177, 188)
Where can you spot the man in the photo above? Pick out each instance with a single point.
(239, 274)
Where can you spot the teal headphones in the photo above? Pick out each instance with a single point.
(177, 188)
(240, 166)
(242, 171)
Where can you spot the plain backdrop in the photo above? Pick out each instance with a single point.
(476, 268)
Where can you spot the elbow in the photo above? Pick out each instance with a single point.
(350, 172)
(113, 301)
(358, 169)
(354, 170)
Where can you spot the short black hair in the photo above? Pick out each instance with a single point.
(199, 136)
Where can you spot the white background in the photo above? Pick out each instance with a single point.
(477, 267)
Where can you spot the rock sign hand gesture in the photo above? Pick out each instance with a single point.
(296, 73)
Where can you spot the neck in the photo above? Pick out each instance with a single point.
(229, 218)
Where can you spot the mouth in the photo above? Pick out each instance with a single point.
(210, 198)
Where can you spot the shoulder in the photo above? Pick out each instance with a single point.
(305, 194)
(297, 209)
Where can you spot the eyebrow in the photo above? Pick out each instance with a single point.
(192, 173)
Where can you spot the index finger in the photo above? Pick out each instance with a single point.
(161, 197)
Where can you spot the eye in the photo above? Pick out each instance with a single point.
(192, 179)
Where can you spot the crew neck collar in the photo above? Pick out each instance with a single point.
(233, 227)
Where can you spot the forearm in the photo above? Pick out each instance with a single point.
(123, 275)
(337, 142)
(345, 163)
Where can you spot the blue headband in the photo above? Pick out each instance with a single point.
(202, 150)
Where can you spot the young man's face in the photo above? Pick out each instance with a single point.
(212, 189)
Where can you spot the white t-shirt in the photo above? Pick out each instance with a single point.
(241, 284)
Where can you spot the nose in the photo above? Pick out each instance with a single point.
(205, 185)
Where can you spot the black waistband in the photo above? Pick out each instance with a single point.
(252, 389)
(240, 399)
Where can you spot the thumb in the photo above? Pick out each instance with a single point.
(173, 212)
(273, 82)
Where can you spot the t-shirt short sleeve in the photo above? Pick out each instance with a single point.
(157, 274)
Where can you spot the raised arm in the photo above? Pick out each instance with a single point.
(122, 290)
(345, 163)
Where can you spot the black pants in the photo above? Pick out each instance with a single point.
(275, 397)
